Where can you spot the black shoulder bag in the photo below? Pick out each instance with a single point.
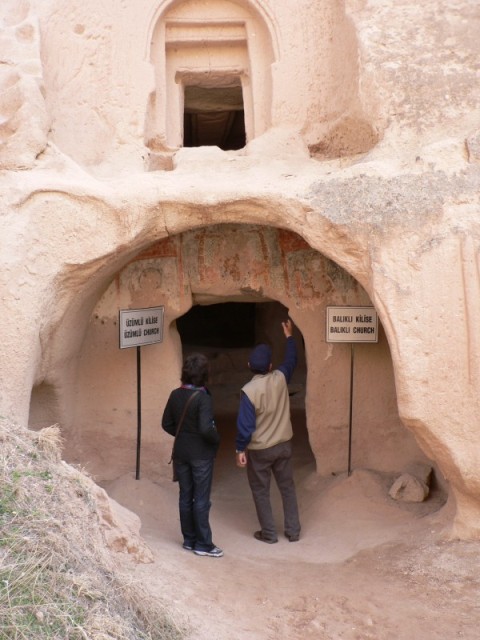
(180, 422)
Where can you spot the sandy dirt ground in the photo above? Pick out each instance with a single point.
(366, 567)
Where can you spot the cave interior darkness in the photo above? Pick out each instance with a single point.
(214, 116)
(226, 332)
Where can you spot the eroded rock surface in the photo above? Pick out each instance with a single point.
(361, 131)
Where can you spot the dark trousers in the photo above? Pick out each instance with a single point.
(195, 483)
(261, 463)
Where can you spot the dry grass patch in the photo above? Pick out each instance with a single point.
(58, 580)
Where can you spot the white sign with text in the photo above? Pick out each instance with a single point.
(351, 324)
(139, 327)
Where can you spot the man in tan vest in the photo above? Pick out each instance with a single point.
(264, 428)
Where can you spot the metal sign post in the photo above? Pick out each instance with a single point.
(352, 357)
(351, 324)
(139, 412)
(140, 327)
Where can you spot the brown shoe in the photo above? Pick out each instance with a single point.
(258, 535)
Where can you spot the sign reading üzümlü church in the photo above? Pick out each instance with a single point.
(351, 324)
(139, 327)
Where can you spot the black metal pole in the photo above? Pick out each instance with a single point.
(351, 412)
(139, 411)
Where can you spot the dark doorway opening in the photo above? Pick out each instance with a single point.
(229, 325)
(226, 333)
(214, 116)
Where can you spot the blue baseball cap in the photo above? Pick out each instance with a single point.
(260, 358)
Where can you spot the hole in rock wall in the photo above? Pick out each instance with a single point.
(214, 117)
(44, 409)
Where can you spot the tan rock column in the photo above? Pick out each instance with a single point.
(431, 316)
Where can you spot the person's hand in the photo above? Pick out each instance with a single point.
(287, 328)
(242, 459)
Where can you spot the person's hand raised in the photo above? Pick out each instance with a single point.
(287, 328)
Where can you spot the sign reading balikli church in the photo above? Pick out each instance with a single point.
(351, 324)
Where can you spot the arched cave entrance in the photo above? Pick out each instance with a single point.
(225, 332)
(226, 263)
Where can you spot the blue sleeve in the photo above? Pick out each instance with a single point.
(290, 360)
(246, 423)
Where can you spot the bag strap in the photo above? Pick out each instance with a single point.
(184, 413)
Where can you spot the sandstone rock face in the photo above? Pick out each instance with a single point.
(351, 177)
(121, 528)
(23, 116)
(409, 488)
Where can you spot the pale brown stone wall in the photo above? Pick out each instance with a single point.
(363, 142)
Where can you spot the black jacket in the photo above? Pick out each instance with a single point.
(198, 438)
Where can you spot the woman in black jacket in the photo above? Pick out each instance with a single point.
(194, 453)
